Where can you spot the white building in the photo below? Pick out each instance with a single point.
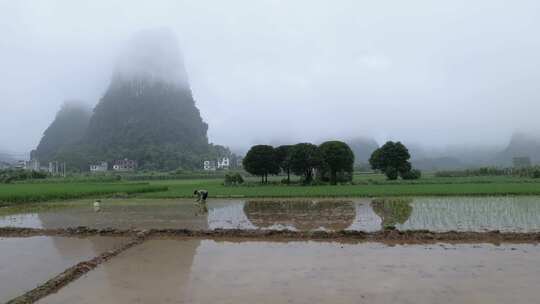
(124, 165)
(99, 167)
(21, 164)
(212, 165)
(224, 163)
(32, 165)
(54, 168)
(57, 168)
(209, 165)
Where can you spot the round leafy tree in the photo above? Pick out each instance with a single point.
(392, 159)
(305, 158)
(337, 157)
(261, 161)
(283, 157)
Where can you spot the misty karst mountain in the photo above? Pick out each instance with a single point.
(362, 148)
(521, 145)
(67, 129)
(147, 113)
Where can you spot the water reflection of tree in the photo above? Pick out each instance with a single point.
(301, 214)
(171, 274)
(392, 211)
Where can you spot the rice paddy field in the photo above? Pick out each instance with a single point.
(70, 250)
(24, 193)
(364, 185)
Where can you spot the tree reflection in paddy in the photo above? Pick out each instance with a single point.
(301, 214)
(392, 211)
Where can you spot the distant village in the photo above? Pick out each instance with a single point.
(224, 163)
(56, 168)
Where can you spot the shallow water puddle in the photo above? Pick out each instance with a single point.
(27, 262)
(507, 214)
(207, 271)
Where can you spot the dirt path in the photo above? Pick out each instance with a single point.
(386, 236)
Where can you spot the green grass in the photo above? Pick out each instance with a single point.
(427, 187)
(365, 185)
(430, 178)
(23, 193)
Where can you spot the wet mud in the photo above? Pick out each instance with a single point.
(210, 271)
(30, 261)
(388, 239)
(388, 235)
(56, 283)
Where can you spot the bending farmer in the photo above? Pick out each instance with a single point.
(202, 195)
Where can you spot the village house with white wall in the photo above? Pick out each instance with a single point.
(223, 163)
(124, 165)
(99, 167)
(209, 165)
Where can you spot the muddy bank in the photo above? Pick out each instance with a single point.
(393, 236)
(73, 232)
(53, 285)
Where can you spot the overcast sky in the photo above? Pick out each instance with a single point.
(435, 73)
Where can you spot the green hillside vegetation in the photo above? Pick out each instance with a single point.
(67, 129)
(156, 124)
(147, 114)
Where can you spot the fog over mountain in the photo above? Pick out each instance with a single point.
(453, 80)
(6, 157)
(147, 114)
(68, 128)
(152, 56)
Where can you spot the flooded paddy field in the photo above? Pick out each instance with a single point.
(28, 262)
(503, 213)
(210, 271)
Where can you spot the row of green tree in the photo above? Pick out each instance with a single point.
(332, 161)
(12, 175)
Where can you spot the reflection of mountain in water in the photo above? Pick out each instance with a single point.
(50, 220)
(301, 215)
(172, 275)
(163, 264)
(157, 271)
(392, 211)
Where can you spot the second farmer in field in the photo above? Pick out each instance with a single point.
(202, 195)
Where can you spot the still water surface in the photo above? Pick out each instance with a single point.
(207, 271)
(507, 214)
(27, 262)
